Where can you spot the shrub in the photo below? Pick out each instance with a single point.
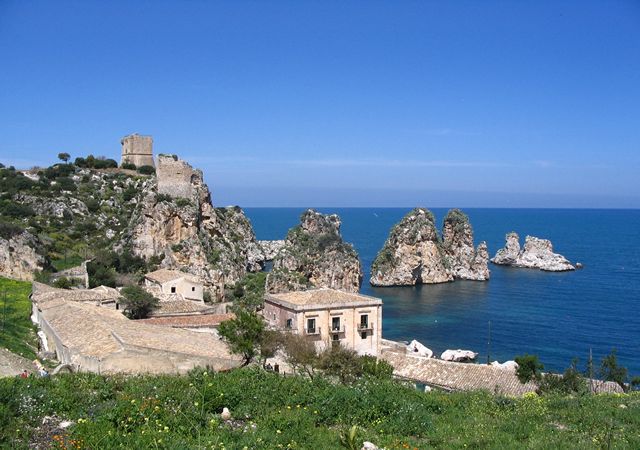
(128, 166)
(146, 170)
(17, 210)
(63, 283)
(529, 368)
(93, 205)
(9, 230)
(611, 371)
(138, 303)
(163, 198)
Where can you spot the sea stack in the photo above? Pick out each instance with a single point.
(314, 256)
(414, 254)
(466, 263)
(536, 254)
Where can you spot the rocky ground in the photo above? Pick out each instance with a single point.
(12, 364)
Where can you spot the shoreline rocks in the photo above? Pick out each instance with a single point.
(536, 254)
(416, 348)
(414, 253)
(458, 355)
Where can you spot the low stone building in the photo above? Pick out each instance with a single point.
(328, 316)
(175, 282)
(95, 338)
(137, 149)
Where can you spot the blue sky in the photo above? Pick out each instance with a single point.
(304, 103)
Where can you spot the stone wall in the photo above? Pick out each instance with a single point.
(138, 150)
(176, 177)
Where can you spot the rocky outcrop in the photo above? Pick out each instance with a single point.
(416, 348)
(458, 355)
(414, 254)
(465, 262)
(20, 254)
(536, 254)
(314, 255)
(270, 248)
(217, 245)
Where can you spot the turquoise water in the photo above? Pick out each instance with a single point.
(557, 316)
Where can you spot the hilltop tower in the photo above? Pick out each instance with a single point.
(138, 150)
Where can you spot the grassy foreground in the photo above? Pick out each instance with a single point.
(17, 332)
(270, 411)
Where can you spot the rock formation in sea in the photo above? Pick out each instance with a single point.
(21, 253)
(465, 262)
(313, 256)
(414, 254)
(417, 349)
(536, 254)
(177, 223)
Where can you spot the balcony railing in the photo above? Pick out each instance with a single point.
(365, 327)
(338, 329)
(312, 331)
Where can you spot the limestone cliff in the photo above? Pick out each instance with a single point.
(20, 254)
(184, 229)
(465, 262)
(414, 254)
(314, 255)
(536, 254)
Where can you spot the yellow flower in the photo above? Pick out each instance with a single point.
(278, 431)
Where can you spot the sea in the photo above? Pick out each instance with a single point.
(557, 316)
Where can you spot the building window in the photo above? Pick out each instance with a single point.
(289, 324)
(193, 288)
(173, 289)
(363, 335)
(335, 324)
(364, 321)
(311, 326)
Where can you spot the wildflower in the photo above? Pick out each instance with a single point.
(278, 431)
(196, 403)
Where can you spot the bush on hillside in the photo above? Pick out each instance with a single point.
(146, 170)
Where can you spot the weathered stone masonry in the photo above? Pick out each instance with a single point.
(138, 150)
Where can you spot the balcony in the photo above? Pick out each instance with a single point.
(365, 327)
(312, 331)
(337, 330)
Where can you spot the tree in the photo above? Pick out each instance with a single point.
(611, 371)
(270, 342)
(243, 334)
(138, 303)
(529, 368)
(341, 362)
(301, 354)
(146, 170)
(376, 368)
(64, 157)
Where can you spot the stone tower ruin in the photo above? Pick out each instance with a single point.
(176, 177)
(138, 150)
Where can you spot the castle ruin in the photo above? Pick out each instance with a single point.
(176, 177)
(138, 150)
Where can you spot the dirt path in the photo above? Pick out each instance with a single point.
(12, 364)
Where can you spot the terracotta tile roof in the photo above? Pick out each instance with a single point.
(197, 321)
(466, 377)
(164, 275)
(42, 293)
(181, 307)
(98, 331)
(323, 297)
